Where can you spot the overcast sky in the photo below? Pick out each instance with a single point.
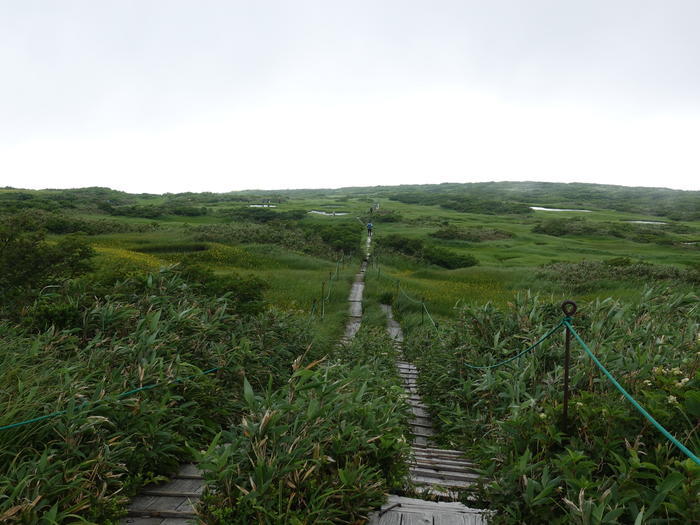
(167, 96)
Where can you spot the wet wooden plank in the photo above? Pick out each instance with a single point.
(389, 518)
(416, 519)
(442, 483)
(443, 451)
(444, 463)
(189, 471)
(449, 519)
(141, 502)
(444, 475)
(356, 292)
(189, 488)
(355, 309)
(421, 422)
(419, 441)
(165, 503)
(420, 412)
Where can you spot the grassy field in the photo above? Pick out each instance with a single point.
(507, 264)
(109, 291)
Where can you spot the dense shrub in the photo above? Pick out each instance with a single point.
(325, 240)
(323, 449)
(585, 275)
(263, 215)
(447, 258)
(465, 203)
(61, 223)
(28, 263)
(427, 252)
(342, 237)
(143, 331)
(577, 226)
(382, 215)
(613, 467)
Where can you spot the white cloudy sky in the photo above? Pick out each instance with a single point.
(171, 95)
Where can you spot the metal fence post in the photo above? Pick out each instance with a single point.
(323, 299)
(569, 308)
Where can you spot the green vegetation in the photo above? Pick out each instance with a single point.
(103, 292)
(613, 466)
(323, 449)
(426, 252)
(138, 332)
(475, 234)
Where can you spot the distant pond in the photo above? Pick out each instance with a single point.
(539, 208)
(329, 213)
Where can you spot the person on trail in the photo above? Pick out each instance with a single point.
(369, 229)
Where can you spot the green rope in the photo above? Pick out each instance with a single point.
(529, 349)
(634, 402)
(408, 296)
(431, 318)
(120, 396)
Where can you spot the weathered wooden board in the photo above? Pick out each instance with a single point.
(355, 309)
(356, 291)
(401, 511)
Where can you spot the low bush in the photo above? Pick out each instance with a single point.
(263, 215)
(583, 276)
(382, 215)
(429, 253)
(28, 264)
(478, 234)
(85, 463)
(613, 466)
(643, 233)
(325, 240)
(323, 449)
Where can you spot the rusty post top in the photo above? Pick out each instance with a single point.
(569, 308)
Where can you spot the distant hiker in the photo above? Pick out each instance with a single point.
(369, 229)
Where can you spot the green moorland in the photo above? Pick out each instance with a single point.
(104, 292)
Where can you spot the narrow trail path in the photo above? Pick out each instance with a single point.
(173, 503)
(434, 472)
(170, 503)
(355, 299)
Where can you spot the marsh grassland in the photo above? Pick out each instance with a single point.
(103, 293)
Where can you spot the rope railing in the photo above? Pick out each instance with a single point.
(87, 405)
(567, 323)
(569, 309)
(326, 293)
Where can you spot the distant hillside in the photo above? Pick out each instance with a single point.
(479, 197)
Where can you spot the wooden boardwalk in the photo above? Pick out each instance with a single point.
(355, 300)
(410, 511)
(170, 503)
(433, 472)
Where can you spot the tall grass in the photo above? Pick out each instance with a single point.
(323, 449)
(142, 331)
(613, 466)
